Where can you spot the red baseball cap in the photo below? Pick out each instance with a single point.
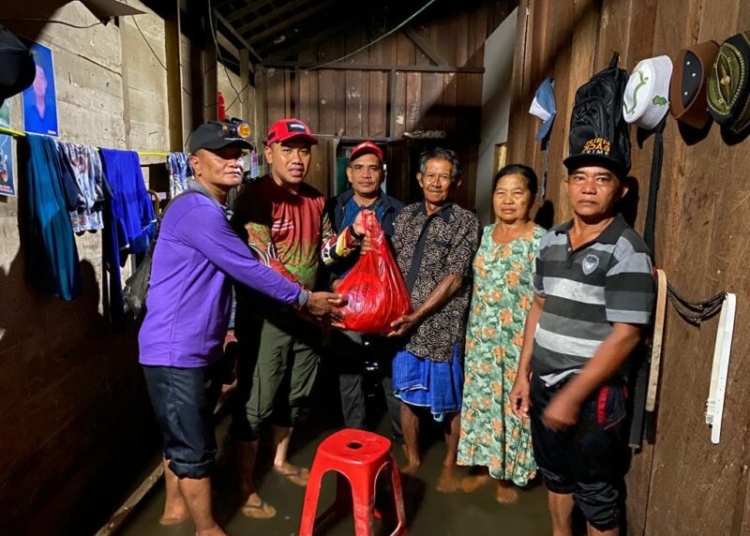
(366, 147)
(286, 129)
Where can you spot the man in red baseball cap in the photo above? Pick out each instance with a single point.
(355, 352)
(288, 129)
(281, 218)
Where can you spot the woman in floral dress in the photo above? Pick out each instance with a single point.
(492, 438)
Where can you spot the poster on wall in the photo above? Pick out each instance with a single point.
(5, 114)
(7, 185)
(40, 98)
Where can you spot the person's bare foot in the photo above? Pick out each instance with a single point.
(166, 520)
(472, 483)
(506, 493)
(257, 508)
(174, 513)
(295, 475)
(215, 531)
(410, 468)
(449, 480)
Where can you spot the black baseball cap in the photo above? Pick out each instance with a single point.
(220, 134)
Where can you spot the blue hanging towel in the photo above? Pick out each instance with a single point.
(131, 204)
(112, 236)
(52, 264)
(128, 222)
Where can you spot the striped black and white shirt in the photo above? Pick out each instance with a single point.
(607, 280)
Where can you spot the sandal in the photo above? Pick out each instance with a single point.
(259, 511)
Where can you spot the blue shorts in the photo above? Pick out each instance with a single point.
(184, 400)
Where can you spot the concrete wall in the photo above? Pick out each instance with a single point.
(74, 412)
(496, 93)
(77, 427)
(144, 78)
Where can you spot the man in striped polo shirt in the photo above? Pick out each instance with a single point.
(594, 295)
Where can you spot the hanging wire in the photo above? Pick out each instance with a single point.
(148, 44)
(64, 23)
(221, 59)
(368, 45)
(238, 96)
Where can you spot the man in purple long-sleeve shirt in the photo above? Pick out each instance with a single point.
(188, 306)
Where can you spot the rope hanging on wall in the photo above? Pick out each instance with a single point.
(695, 313)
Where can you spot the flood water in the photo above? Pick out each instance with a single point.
(429, 512)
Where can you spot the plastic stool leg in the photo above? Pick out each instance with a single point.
(398, 498)
(363, 494)
(310, 505)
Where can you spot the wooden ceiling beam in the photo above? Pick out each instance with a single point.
(234, 35)
(275, 13)
(307, 42)
(302, 15)
(270, 63)
(250, 8)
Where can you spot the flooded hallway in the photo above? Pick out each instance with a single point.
(508, 236)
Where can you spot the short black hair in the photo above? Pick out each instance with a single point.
(532, 182)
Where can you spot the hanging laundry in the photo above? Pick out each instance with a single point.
(131, 204)
(180, 173)
(129, 222)
(254, 167)
(87, 174)
(52, 264)
(113, 235)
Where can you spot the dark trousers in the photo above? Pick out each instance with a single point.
(353, 352)
(588, 460)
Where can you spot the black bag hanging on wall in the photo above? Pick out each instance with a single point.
(598, 131)
(136, 287)
(18, 68)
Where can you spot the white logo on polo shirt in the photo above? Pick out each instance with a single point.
(590, 263)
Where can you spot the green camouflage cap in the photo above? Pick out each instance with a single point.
(729, 84)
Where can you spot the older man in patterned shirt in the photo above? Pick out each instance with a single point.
(435, 241)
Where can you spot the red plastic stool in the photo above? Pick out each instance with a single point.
(358, 457)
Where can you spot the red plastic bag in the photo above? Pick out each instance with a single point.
(374, 290)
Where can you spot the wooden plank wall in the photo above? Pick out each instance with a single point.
(680, 484)
(386, 104)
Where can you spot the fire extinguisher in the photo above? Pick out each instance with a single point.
(221, 110)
